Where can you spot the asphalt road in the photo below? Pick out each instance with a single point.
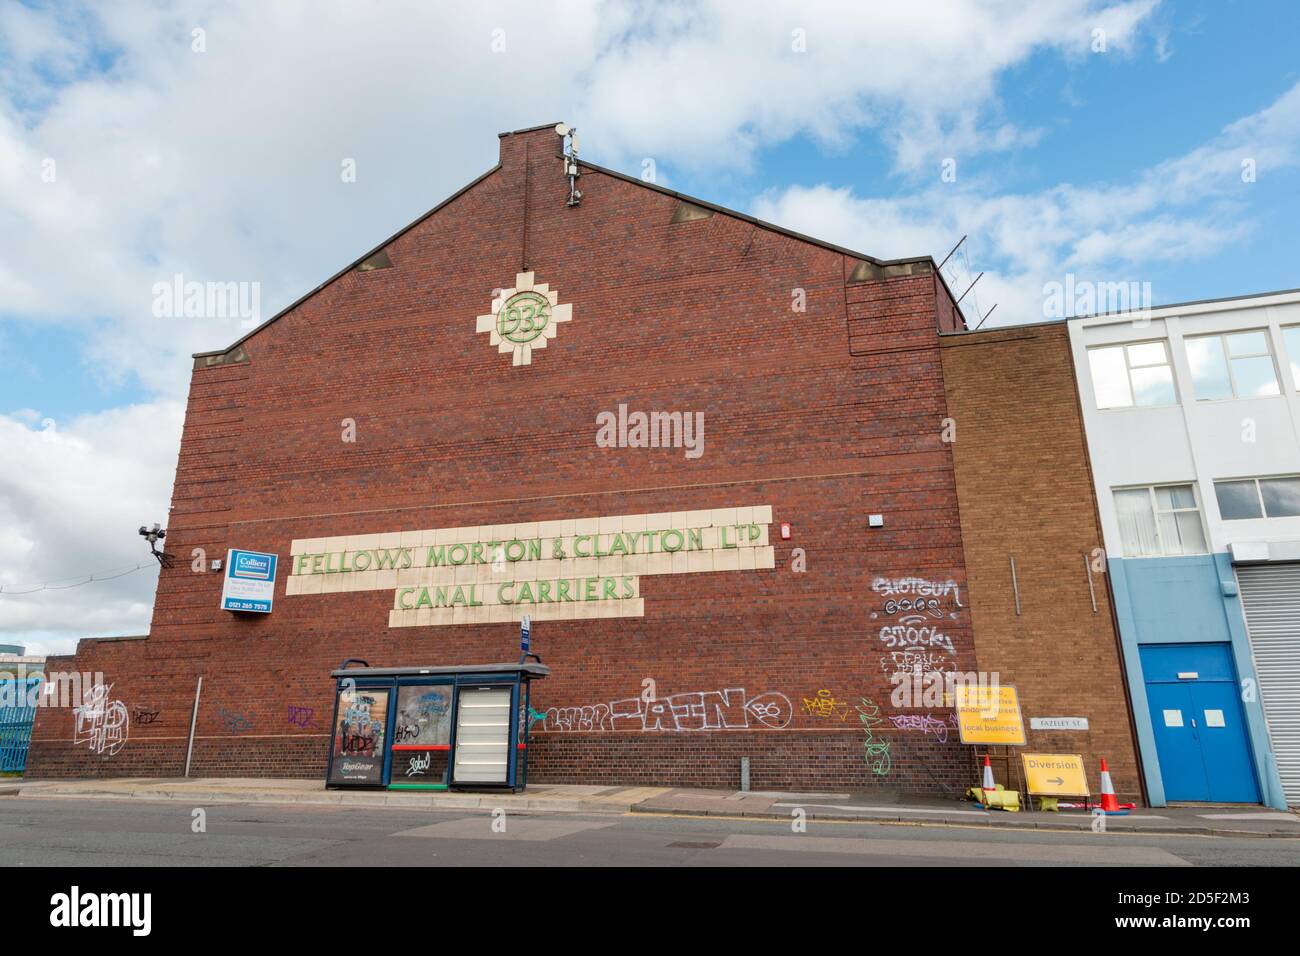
(76, 832)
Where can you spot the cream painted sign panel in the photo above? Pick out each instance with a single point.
(549, 570)
(524, 318)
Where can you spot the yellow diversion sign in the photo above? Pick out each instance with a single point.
(990, 715)
(1055, 775)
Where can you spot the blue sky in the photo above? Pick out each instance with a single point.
(1101, 117)
(223, 164)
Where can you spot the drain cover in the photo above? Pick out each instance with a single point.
(696, 846)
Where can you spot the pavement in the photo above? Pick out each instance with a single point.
(883, 807)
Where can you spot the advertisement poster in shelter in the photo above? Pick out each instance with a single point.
(360, 742)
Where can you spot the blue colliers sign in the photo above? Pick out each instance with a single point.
(250, 582)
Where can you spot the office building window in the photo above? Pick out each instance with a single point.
(1136, 374)
(1233, 365)
(1161, 520)
(1291, 341)
(1259, 497)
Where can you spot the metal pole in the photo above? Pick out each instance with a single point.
(986, 315)
(194, 719)
(969, 287)
(949, 255)
(1092, 591)
(1015, 585)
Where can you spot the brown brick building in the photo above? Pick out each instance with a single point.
(1027, 497)
(418, 440)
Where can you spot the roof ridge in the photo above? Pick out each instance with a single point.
(683, 197)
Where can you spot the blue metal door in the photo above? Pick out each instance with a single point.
(1199, 728)
(1181, 766)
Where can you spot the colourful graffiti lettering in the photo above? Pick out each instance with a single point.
(729, 709)
(825, 704)
(877, 748)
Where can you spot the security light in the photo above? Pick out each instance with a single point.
(153, 536)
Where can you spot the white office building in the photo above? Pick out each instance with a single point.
(1193, 427)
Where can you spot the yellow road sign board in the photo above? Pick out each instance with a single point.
(990, 715)
(1055, 775)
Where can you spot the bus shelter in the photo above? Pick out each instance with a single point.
(431, 728)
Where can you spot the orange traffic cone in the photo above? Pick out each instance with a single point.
(988, 786)
(1109, 802)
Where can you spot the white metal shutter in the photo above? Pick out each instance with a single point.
(482, 735)
(1271, 598)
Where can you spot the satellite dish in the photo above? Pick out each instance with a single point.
(561, 129)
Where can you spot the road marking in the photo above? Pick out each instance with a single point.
(517, 828)
(958, 850)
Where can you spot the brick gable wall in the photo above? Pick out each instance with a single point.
(827, 416)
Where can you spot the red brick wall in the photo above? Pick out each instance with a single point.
(1026, 492)
(827, 415)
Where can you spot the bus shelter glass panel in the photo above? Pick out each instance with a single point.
(483, 735)
(422, 737)
(359, 743)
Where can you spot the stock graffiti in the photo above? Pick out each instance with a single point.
(912, 617)
(729, 709)
(877, 748)
(101, 723)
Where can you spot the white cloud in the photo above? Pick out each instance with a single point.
(1185, 208)
(225, 166)
(709, 85)
(72, 497)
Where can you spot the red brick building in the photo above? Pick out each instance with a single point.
(419, 440)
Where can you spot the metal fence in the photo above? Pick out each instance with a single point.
(16, 719)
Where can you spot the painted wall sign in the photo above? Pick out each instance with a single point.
(1055, 775)
(1058, 723)
(548, 570)
(250, 581)
(989, 715)
(524, 318)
